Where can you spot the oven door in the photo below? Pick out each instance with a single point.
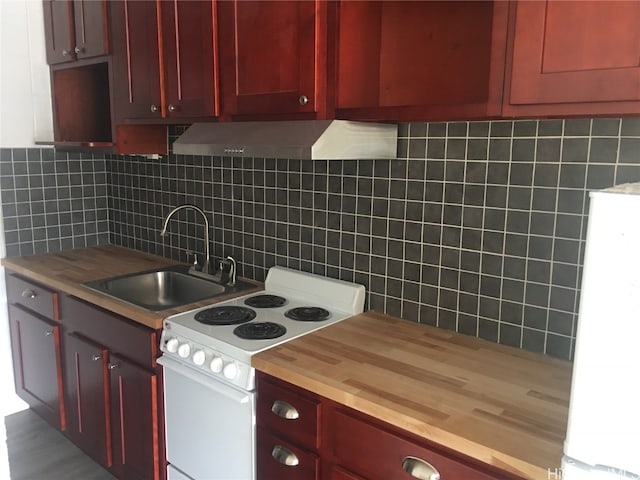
(209, 425)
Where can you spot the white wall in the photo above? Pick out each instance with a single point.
(25, 92)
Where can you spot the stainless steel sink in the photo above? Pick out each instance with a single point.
(163, 289)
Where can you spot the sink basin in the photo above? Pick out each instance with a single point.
(162, 289)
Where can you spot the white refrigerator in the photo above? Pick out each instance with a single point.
(603, 435)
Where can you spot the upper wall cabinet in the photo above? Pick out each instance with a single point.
(574, 58)
(75, 29)
(272, 58)
(434, 60)
(163, 60)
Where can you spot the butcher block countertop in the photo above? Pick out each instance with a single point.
(500, 405)
(68, 270)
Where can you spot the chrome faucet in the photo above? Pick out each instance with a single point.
(163, 232)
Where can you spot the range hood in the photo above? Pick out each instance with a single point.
(303, 140)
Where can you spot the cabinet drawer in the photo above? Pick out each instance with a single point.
(36, 298)
(273, 454)
(118, 334)
(377, 453)
(288, 413)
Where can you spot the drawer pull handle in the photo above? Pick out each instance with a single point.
(285, 410)
(420, 469)
(28, 293)
(284, 456)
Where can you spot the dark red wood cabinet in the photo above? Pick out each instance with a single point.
(87, 373)
(114, 390)
(574, 58)
(75, 29)
(435, 60)
(35, 344)
(304, 436)
(273, 58)
(163, 60)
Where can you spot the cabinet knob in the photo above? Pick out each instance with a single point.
(66, 53)
(173, 108)
(78, 49)
(28, 293)
(284, 410)
(48, 333)
(154, 108)
(420, 469)
(113, 365)
(303, 100)
(284, 456)
(95, 358)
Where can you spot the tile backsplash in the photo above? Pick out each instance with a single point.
(477, 227)
(52, 201)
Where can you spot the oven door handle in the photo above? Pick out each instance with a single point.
(211, 383)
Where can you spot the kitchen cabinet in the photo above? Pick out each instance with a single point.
(303, 435)
(35, 344)
(113, 389)
(273, 57)
(420, 61)
(574, 58)
(288, 431)
(75, 29)
(163, 60)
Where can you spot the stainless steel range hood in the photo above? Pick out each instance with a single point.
(304, 140)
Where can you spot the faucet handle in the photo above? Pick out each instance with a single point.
(195, 257)
(232, 270)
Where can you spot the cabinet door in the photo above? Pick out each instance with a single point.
(58, 30)
(134, 421)
(135, 60)
(407, 60)
(575, 58)
(88, 396)
(339, 474)
(91, 28)
(270, 56)
(37, 364)
(188, 54)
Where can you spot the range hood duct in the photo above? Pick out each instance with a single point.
(303, 140)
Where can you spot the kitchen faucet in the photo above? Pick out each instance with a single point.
(163, 232)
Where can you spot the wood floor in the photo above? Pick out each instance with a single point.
(37, 451)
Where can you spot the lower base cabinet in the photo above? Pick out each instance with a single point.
(334, 442)
(113, 390)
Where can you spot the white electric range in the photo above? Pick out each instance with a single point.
(209, 384)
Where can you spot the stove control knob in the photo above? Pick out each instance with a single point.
(198, 357)
(172, 345)
(230, 371)
(184, 350)
(216, 365)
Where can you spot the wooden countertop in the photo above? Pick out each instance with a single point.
(68, 270)
(501, 405)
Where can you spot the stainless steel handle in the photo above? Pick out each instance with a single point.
(113, 365)
(173, 108)
(28, 293)
(284, 456)
(48, 333)
(284, 410)
(420, 469)
(154, 108)
(78, 50)
(303, 100)
(95, 358)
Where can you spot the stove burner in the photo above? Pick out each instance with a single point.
(265, 301)
(308, 314)
(226, 315)
(260, 330)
